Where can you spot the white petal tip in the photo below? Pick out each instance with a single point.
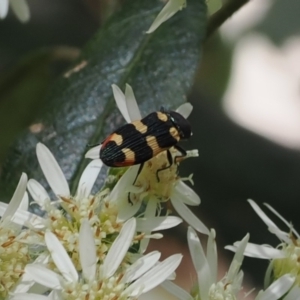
(185, 109)
(93, 153)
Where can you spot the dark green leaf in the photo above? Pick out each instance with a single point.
(23, 89)
(81, 110)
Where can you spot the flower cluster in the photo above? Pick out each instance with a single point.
(92, 245)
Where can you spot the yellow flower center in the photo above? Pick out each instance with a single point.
(13, 258)
(291, 263)
(65, 223)
(158, 176)
(107, 289)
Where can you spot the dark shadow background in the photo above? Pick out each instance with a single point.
(234, 164)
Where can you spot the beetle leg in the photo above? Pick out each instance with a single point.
(129, 199)
(170, 161)
(137, 175)
(138, 172)
(176, 159)
(179, 158)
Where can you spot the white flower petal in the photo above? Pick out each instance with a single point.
(273, 228)
(3, 8)
(258, 251)
(192, 153)
(282, 219)
(88, 178)
(55, 295)
(237, 282)
(127, 210)
(172, 7)
(132, 107)
(158, 293)
(294, 294)
(38, 193)
(94, 152)
(156, 223)
(185, 109)
(21, 9)
(268, 278)
(3, 208)
(52, 171)
(24, 285)
(119, 248)
(212, 255)
(26, 282)
(155, 276)
(60, 257)
(39, 289)
(282, 235)
(24, 202)
(23, 217)
(44, 276)
(172, 276)
(277, 289)
(122, 186)
(262, 215)
(16, 198)
(188, 216)
(149, 213)
(200, 263)
(120, 194)
(87, 250)
(237, 259)
(121, 102)
(141, 266)
(186, 194)
(24, 296)
(176, 290)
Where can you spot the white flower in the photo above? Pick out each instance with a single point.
(19, 7)
(14, 255)
(284, 258)
(113, 279)
(279, 288)
(64, 215)
(209, 288)
(147, 187)
(170, 9)
(206, 265)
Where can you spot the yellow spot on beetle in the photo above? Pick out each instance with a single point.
(162, 116)
(174, 133)
(152, 143)
(129, 155)
(117, 138)
(140, 126)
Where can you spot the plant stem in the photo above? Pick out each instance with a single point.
(219, 17)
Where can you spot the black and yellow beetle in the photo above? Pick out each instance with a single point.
(139, 141)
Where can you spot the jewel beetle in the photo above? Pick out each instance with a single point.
(137, 142)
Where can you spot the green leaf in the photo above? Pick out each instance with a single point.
(213, 6)
(23, 89)
(81, 110)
